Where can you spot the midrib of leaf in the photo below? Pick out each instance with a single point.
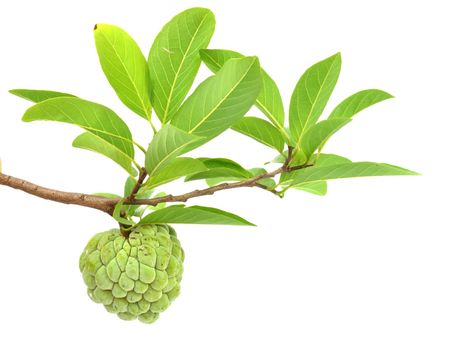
(258, 102)
(223, 99)
(165, 115)
(303, 130)
(146, 110)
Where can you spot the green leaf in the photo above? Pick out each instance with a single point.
(262, 131)
(178, 214)
(315, 187)
(326, 159)
(143, 193)
(38, 95)
(358, 102)
(117, 214)
(167, 144)
(125, 67)
(220, 168)
(268, 182)
(221, 100)
(129, 186)
(97, 144)
(318, 188)
(311, 95)
(174, 58)
(107, 195)
(269, 100)
(176, 169)
(93, 117)
(318, 134)
(345, 170)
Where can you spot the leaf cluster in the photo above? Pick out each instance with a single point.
(157, 88)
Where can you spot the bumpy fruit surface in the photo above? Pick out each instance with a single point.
(134, 277)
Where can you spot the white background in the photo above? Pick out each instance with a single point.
(373, 265)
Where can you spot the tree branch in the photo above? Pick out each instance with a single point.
(107, 205)
(91, 201)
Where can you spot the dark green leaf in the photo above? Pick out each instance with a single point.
(97, 144)
(174, 58)
(125, 68)
(358, 102)
(311, 95)
(193, 215)
(269, 100)
(91, 116)
(221, 100)
(38, 95)
(169, 143)
(261, 131)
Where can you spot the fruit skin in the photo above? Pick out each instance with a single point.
(136, 276)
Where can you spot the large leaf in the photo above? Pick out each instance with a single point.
(176, 169)
(97, 144)
(125, 67)
(262, 131)
(38, 95)
(221, 100)
(174, 58)
(93, 117)
(179, 214)
(220, 168)
(169, 143)
(318, 134)
(344, 170)
(358, 102)
(311, 94)
(269, 100)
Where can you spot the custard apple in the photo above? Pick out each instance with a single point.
(136, 276)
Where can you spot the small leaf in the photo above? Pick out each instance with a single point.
(174, 58)
(318, 134)
(358, 102)
(221, 100)
(107, 195)
(220, 168)
(261, 131)
(93, 117)
(117, 214)
(268, 101)
(318, 188)
(344, 170)
(176, 169)
(167, 144)
(326, 159)
(97, 144)
(129, 186)
(125, 67)
(193, 215)
(311, 94)
(268, 182)
(38, 95)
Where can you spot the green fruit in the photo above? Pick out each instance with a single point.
(136, 276)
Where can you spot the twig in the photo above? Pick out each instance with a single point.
(107, 205)
(141, 178)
